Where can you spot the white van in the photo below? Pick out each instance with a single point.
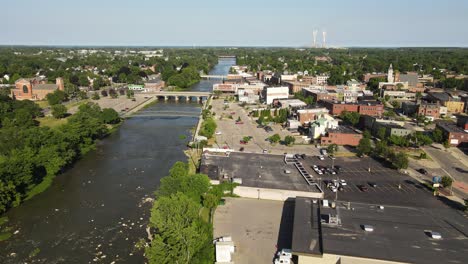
(325, 203)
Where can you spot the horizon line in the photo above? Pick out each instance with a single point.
(228, 46)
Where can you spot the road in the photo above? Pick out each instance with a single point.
(451, 166)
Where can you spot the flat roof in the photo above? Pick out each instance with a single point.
(451, 127)
(306, 227)
(399, 233)
(343, 130)
(257, 170)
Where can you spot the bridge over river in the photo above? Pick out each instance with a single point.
(176, 95)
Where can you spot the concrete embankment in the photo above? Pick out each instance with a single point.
(139, 107)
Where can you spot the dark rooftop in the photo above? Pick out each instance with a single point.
(450, 127)
(306, 231)
(256, 170)
(362, 102)
(343, 130)
(399, 233)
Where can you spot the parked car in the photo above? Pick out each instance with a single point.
(343, 182)
(363, 188)
(218, 133)
(331, 157)
(333, 188)
(241, 149)
(243, 142)
(321, 157)
(239, 122)
(423, 171)
(373, 184)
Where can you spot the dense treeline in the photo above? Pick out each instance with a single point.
(346, 64)
(30, 156)
(183, 65)
(181, 233)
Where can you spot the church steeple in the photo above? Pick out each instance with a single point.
(390, 77)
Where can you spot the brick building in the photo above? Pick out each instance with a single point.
(35, 88)
(309, 115)
(429, 110)
(371, 108)
(341, 136)
(454, 134)
(319, 94)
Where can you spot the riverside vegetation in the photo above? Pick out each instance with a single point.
(32, 155)
(181, 217)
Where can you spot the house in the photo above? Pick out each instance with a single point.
(35, 88)
(342, 135)
(454, 134)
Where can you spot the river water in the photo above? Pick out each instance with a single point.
(97, 210)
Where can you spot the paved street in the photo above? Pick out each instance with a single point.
(449, 165)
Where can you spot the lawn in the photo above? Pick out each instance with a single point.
(51, 121)
(43, 104)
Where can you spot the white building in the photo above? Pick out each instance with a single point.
(320, 126)
(272, 93)
(247, 96)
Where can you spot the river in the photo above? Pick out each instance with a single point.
(95, 212)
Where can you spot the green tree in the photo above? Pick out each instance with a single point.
(289, 140)
(208, 128)
(399, 160)
(110, 116)
(364, 147)
(438, 135)
(275, 138)
(59, 111)
(350, 118)
(180, 233)
(95, 96)
(57, 97)
(381, 133)
(332, 149)
(446, 181)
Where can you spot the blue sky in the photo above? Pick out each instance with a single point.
(235, 22)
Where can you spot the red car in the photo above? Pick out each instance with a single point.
(243, 142)
(363, 188)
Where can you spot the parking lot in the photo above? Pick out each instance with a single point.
(391, 187)
(230, 134)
